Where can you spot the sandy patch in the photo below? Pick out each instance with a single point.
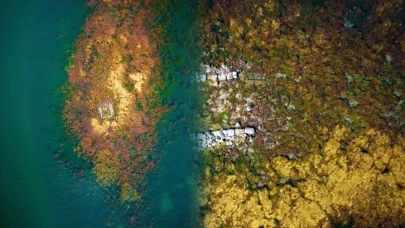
(97, 127)
(138, 79)
(103, 127)
(125, 98)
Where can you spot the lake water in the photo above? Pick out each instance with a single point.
(43, 183)
(171, 199)
(173, 186)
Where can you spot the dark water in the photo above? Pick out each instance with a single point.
(173, 185)
(43, 183)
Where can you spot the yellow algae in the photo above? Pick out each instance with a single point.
(138, 78)
(362, 182)
(123, 96)
(100, 128)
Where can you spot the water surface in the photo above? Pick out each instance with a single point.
(41, 181)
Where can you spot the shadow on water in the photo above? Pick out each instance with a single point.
(43, 183)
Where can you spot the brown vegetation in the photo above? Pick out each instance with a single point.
(114, 63)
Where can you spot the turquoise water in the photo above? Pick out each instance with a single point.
(173, 185)
(43, 183)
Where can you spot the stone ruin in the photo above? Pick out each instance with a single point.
(106, 110)
(214, 74)
(227, 136)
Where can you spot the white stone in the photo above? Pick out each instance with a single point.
(229, 136)
(230, 133)
(205, 68)
(203, 78)
(222, 77)
(234, 74)
(249, 131)
(110, 105)
(280, 75)
(229, 76)
(217, 134)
